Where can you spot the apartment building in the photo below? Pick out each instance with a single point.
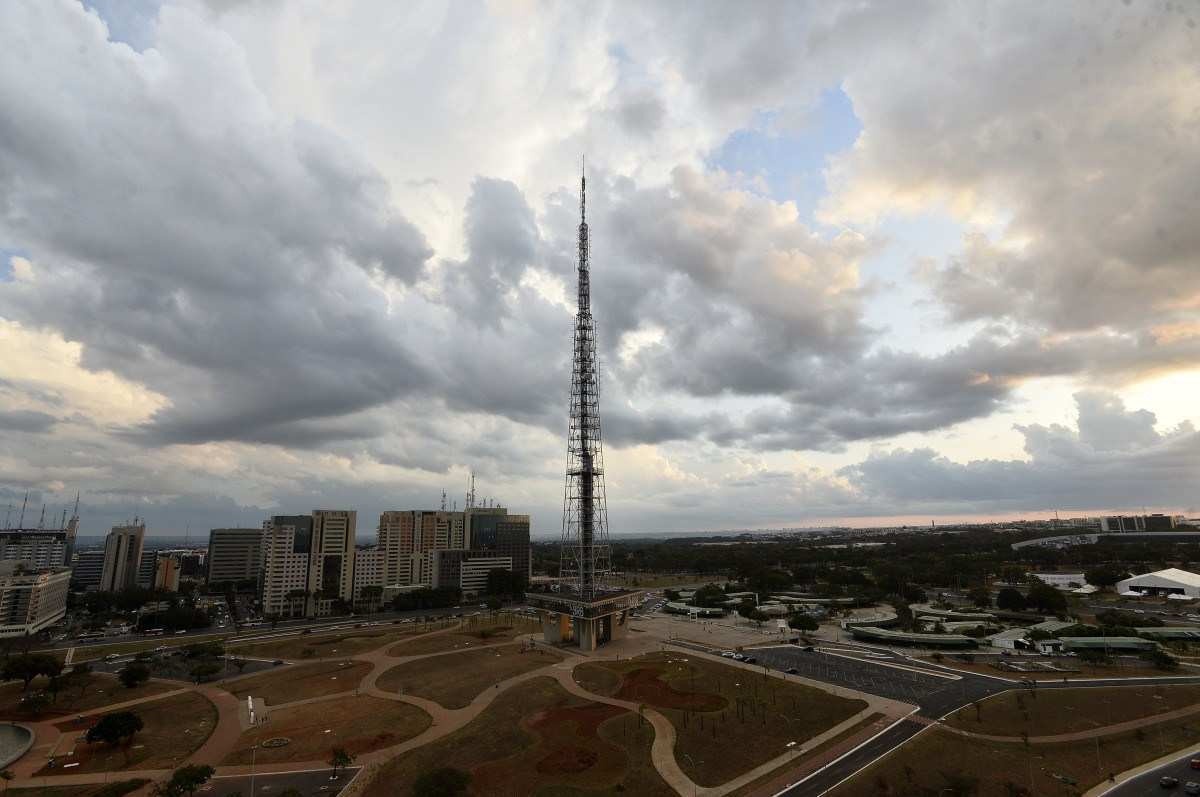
(38, 548)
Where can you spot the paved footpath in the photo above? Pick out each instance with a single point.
(230, 723)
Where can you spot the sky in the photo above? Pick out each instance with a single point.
(852, 263)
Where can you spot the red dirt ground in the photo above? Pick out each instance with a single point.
(643, 685)
(568, 747)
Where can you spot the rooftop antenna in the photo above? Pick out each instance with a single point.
(42, 519)
(63, 525)
(443, 500)
(8, 515)
(471, 493)
(21, 522)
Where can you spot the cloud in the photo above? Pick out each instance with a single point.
(1115, 458)
(25, 421)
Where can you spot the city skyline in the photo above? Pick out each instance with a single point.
(273, 260)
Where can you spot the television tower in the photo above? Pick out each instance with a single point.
(584, 551)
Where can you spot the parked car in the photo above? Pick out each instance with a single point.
(728, 654)
(1194, 763)
(1191, 787)
(749, 660)
(1167, 782)
(792, 671)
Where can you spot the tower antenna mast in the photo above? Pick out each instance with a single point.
(584, 551)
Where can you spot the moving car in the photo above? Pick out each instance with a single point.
(1191, 787)
(1167, 782)
(792, 671)
(1194, 763)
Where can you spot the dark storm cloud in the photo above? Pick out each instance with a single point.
(25, 421)
(198, 245)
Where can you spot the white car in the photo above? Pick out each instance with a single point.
(727, 654)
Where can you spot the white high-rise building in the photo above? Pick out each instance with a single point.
(308, 562)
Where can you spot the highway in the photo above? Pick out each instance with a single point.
(1147, 783)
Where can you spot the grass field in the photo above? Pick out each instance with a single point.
(938, 759)
(455, 679)
(457, 640)
(103, 690)
(1053, 711)
(175, 727)
(759, 785)
(348, 642)
(358, 724)
(288, 683)
(727, 719)
(537, 739)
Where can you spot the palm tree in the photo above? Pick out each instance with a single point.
(339, 759)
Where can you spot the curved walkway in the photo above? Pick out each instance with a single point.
(230, 726)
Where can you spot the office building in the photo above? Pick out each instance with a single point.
(147, 567)
(122, 557)
(287, 540)
(166, 572)
(1128, 523)
(235, 555)
(308, 563)
(493, 529)
(368, 571)
(31, 599)
(36, 548)
(87, 568)
(331, 563)
(405, 535)
(464, 570)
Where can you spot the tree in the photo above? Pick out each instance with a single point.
(803, 622)
(1105, 576)
(981, 597)
(239, 663)
(79, 678)
(185, 780)
(340, 759)
(205, 670)
(27, 666)
(115, 729)
(1010, 600)
(443, 782)
(6, 775)
(134, 675)
(1046, 598)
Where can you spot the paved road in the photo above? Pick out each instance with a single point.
(309, 784)
(265, 628)
(1147, 783)
(934, 696)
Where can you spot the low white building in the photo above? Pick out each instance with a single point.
(1061, 580)
(1171, 581)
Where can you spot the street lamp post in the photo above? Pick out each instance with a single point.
(253, 752)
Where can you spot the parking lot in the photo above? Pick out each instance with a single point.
(863, 675)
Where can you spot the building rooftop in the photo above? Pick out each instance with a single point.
(1172, 574)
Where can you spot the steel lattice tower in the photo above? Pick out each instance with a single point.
(584, 555)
